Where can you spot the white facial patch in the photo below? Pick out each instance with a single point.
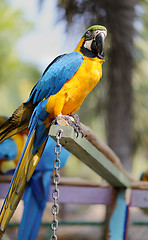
(87, 44)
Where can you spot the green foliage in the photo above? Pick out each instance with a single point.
(13, 72)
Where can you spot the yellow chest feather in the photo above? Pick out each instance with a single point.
(74, 91)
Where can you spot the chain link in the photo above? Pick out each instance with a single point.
(56, 181)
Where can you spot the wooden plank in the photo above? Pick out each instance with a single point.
(119, 217)
(142, 185)
(88, 154)
(3, 189)
(76, 181)
(139, 198)
(88, 193)
(83, 195)
(74, 194)
(5, 178)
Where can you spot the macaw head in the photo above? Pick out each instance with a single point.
(93, 41)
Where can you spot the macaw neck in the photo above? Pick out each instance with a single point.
(78, 48)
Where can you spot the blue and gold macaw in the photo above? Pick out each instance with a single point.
(60, 92)
(11, 150)
(37, 191)
(8, 151)
(66, 81)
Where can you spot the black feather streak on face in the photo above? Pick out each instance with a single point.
(94, 47)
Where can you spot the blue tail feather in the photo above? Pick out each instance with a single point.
(34, 204)
(37, 192)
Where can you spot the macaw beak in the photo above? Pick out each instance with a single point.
(100, 44)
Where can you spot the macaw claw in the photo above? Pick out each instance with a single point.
(78, 124)
(74, 124)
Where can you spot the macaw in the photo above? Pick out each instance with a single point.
(60, 91)
(37, 191)
(66, 81)
(11, 150)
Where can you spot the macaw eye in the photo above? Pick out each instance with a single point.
(89, 35)
(89, 32)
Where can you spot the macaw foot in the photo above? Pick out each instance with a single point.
(77, 122)
(68, 118)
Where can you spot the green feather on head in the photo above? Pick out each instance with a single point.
(94, 28)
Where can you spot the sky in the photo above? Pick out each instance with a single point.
(48, 39)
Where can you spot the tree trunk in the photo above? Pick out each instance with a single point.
(119, 125)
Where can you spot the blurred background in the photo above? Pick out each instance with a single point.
(33, 33)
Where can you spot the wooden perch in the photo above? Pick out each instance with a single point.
(139, 185)
(90, 155)
(105, 149)
(65, 181)
(101, 146)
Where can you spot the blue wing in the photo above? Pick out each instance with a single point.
(55, 75)
(8, 149)
(37, 191)
(34, 205)
(37, 122)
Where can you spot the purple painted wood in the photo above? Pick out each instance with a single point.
(3, 189)
(74, 194)
(139, 198)
(89, 195)
(84, 195)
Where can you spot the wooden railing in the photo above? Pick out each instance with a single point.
(119, 191)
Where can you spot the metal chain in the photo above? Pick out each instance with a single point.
(56, 180)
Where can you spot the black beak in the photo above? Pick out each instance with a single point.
(100, 45)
